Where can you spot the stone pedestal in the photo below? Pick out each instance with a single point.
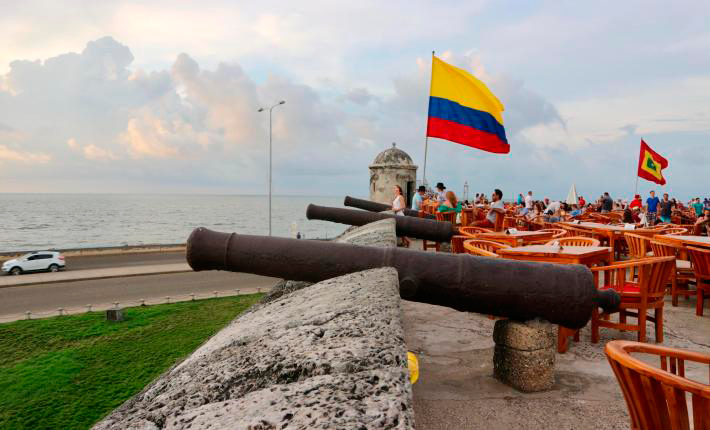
(114, 314)
(524, 355)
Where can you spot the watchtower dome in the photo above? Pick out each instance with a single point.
(392, 167)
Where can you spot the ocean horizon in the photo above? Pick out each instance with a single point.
(34, 221)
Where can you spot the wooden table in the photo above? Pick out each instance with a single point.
(684, 240)
(586, 255)
(514, 239)
(611, 232)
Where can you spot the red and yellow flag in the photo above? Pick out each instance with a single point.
(651, 165)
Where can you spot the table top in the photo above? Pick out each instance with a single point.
(597, 226)
(549, 251)
(685, 239)
(520, 234)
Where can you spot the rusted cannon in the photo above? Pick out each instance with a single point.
(371, 206)
(561, 294)
(420, 228)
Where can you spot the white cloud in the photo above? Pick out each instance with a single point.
(32, 158)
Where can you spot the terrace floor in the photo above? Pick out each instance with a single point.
(456, 389)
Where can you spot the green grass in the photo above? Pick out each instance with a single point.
(68, 372)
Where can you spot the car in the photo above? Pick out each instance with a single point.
(51, 261)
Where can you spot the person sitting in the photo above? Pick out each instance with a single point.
(702, 223)
(418, 199)
(576, 211)
(630, 216)
(450, 203)
(497, 209)
(440, 194)
(607, 203)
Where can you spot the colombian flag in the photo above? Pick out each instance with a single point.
(651, 165)
(463, 110)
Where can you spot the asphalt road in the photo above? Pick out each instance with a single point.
(123, 260)
(49, 297)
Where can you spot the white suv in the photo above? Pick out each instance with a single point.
(50, 261)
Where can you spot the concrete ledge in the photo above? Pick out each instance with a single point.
(328, 356)
(109, 250)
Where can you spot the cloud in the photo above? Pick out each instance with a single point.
(9, 154)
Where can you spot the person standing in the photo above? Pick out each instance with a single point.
(528, 204)
(418, 199)
(666, 209)
(636, 202)
(582, 202)
(520, 199)
(607, 203)
(398, 206)
(697, 207)
(652, 208)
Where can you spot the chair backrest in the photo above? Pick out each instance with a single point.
(656, 398)
(555, 232)
(500, 219)
(663, 249)
(475, 246)
(457, 244)
(575, 241)
(701, 261)
(472, 231)
(574, 231)
(446, 216)
(602, 219)
(653, 274)
(638, 244)
(466, 216)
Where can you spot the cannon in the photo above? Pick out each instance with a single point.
(561, 294)
(420, 228)
(371, 206)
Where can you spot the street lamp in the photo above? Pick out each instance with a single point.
(262, 110)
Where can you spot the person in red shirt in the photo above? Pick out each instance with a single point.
(636, 202)
(582, 202)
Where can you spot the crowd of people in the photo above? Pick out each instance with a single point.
(641, 213)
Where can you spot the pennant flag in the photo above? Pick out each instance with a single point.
(463, 110)
(651, 165)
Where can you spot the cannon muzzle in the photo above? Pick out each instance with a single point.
(420, 228)
(371, 206)
(561, 294)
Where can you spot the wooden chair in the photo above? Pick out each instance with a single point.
(457, 244)
(636, 297)
(701, 265)
(638, 245)
(575, 231)
(472, 231)
(656, 398)
(466, 217)
(679, 276)
(440, 216)
(500, 220)
(485, 248)
(575, 241)
(555, 233)
(674, 231)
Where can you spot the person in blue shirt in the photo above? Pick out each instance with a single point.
(652, 208)
(418, 198)
(520, 199)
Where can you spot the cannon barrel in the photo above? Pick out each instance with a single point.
(420, 228)
(371, 206)
(561, 294)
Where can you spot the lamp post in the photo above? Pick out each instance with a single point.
(262, 110)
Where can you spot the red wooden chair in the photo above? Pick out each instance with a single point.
(574, 241)
(701, 265)
(440, 216)
(656, 398)
(636, 297)
(680, 278)
(484, 248)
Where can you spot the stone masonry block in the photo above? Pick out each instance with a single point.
(525, 336)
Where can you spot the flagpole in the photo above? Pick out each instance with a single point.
(426, 137)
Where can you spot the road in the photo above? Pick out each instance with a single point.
(123, 260)
(41, 298)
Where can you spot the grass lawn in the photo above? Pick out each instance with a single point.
(68, 372)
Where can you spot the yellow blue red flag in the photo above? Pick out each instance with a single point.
(463, 110)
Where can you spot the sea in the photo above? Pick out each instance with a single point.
(65, 221)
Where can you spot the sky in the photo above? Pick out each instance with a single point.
(162, 96)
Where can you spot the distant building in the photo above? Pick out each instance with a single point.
(392, 167)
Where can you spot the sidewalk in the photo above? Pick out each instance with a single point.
(82, 275)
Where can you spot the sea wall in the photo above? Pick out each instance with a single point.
(107, 250)
(330, 355)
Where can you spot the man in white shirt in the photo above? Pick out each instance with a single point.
(496, 210)
(528, 204)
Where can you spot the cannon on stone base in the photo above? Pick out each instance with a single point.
(371, 206)
(561, 294)
(419, 228)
